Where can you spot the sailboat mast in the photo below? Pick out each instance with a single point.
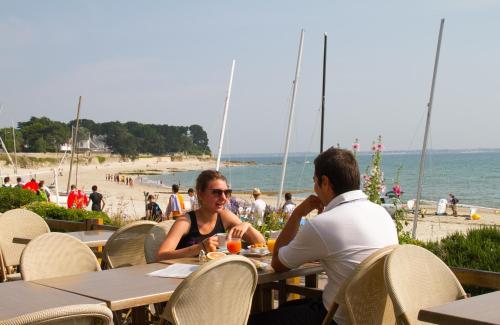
(427, 125)
(73, 145)
(224, 119)
(323, 95)
(290, 118)
(15, 150)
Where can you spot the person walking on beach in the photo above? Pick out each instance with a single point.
(453, 202)
(232, 204)
(288, 206)
(347, 230)
(43, 191)
(258, 208)
(193, 200)
(175, 206)
(6, 182)
(97, 200)
(19, 182)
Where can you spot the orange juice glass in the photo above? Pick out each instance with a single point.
(234, 245)
(270, 244)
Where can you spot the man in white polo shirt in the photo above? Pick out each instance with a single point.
(348, 229)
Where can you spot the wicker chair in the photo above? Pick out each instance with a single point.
(54, 255)
(126, 246)
(415, 279)
(17, 227)
(219, 292)
(363, 294)
(155, 238)
(73, 314)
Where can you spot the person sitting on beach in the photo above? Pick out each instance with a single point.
(196, 230)
(175, 206)
(288, 206)
(258, 208)
(347, 230)
(153, 210)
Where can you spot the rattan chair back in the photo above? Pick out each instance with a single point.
(85, 314)
(363, 295)
(55, 255)
(219, 292)
(126, 246)
(416, 278)
(155, 238)
(17, 228)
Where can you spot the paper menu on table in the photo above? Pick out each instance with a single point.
(175, 271)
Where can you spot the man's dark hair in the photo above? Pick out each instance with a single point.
(288, 196)
(6, 179)
(190, 190)
(341, 168)
(73, 186)
(19, 179)
(175, 188)
(94, 188)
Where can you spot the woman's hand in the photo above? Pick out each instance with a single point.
(238, 231)
(210, 244)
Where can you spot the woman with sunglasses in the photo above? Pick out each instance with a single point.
(195, 231)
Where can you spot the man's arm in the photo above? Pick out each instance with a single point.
(292, 227)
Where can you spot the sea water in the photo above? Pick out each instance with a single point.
(472, 176)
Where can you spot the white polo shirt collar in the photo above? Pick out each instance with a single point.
(344, 198)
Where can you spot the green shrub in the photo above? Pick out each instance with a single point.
(15, 197)
(101, 159)
(477, 249)
(53, 211)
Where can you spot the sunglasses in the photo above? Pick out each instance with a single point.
(219, 192)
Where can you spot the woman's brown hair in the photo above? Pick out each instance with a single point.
(206, 177)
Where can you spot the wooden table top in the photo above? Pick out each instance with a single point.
(266, 275)
(120, 288)
(92, 238)
(21, 297)
(482, 309)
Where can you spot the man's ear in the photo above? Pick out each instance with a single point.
(326, 181)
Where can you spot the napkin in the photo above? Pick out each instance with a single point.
(175, 271)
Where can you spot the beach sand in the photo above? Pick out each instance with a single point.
(129, 202)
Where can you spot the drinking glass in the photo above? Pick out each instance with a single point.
(234, 245)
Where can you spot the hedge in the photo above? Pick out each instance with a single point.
(53, 211)
(15, 197)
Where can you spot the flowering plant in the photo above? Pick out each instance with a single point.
(373, 184)
(355, 147)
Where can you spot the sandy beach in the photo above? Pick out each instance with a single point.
(129, 201)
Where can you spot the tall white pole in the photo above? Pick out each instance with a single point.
(290, 118)
(5, 149)
(427, 125)
(224, 119)
(15, 150)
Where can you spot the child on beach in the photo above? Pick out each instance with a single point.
(175, 206)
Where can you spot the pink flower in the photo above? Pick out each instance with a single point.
(397, 190)
(380, 147)
(355, 146)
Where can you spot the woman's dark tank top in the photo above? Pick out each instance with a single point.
(194, 237)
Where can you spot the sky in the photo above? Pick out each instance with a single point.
(168, 62)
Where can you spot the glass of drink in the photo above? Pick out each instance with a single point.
(233, 245)
(272, 240)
